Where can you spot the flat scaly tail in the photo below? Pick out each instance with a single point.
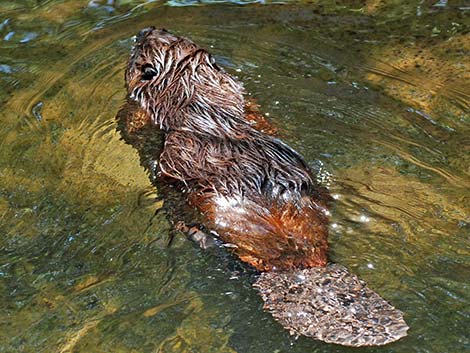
(330, 304)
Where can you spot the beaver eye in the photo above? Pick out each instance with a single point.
(148, 72)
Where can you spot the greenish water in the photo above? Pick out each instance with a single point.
(374, 94)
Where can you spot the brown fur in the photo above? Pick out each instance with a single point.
(252, 189)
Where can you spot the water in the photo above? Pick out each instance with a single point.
(375, 96)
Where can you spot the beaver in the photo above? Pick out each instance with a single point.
(253, 191)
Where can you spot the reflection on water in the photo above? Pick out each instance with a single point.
(374, 94)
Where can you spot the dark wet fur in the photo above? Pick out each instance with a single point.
(223, 164)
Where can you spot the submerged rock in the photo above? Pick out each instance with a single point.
(332, 305)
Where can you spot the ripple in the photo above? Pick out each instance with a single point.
(84, 256)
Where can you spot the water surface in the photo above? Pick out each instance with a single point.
(375, 96)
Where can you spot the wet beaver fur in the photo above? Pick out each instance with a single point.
(254, 191)
(199, 138)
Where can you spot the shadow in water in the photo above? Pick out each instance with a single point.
(137, 130)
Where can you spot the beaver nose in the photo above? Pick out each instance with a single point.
(143, 33)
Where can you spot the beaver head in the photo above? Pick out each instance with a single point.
(180, 86)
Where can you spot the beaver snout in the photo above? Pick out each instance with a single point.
(143, 33)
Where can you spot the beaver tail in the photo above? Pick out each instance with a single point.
(330, 304)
